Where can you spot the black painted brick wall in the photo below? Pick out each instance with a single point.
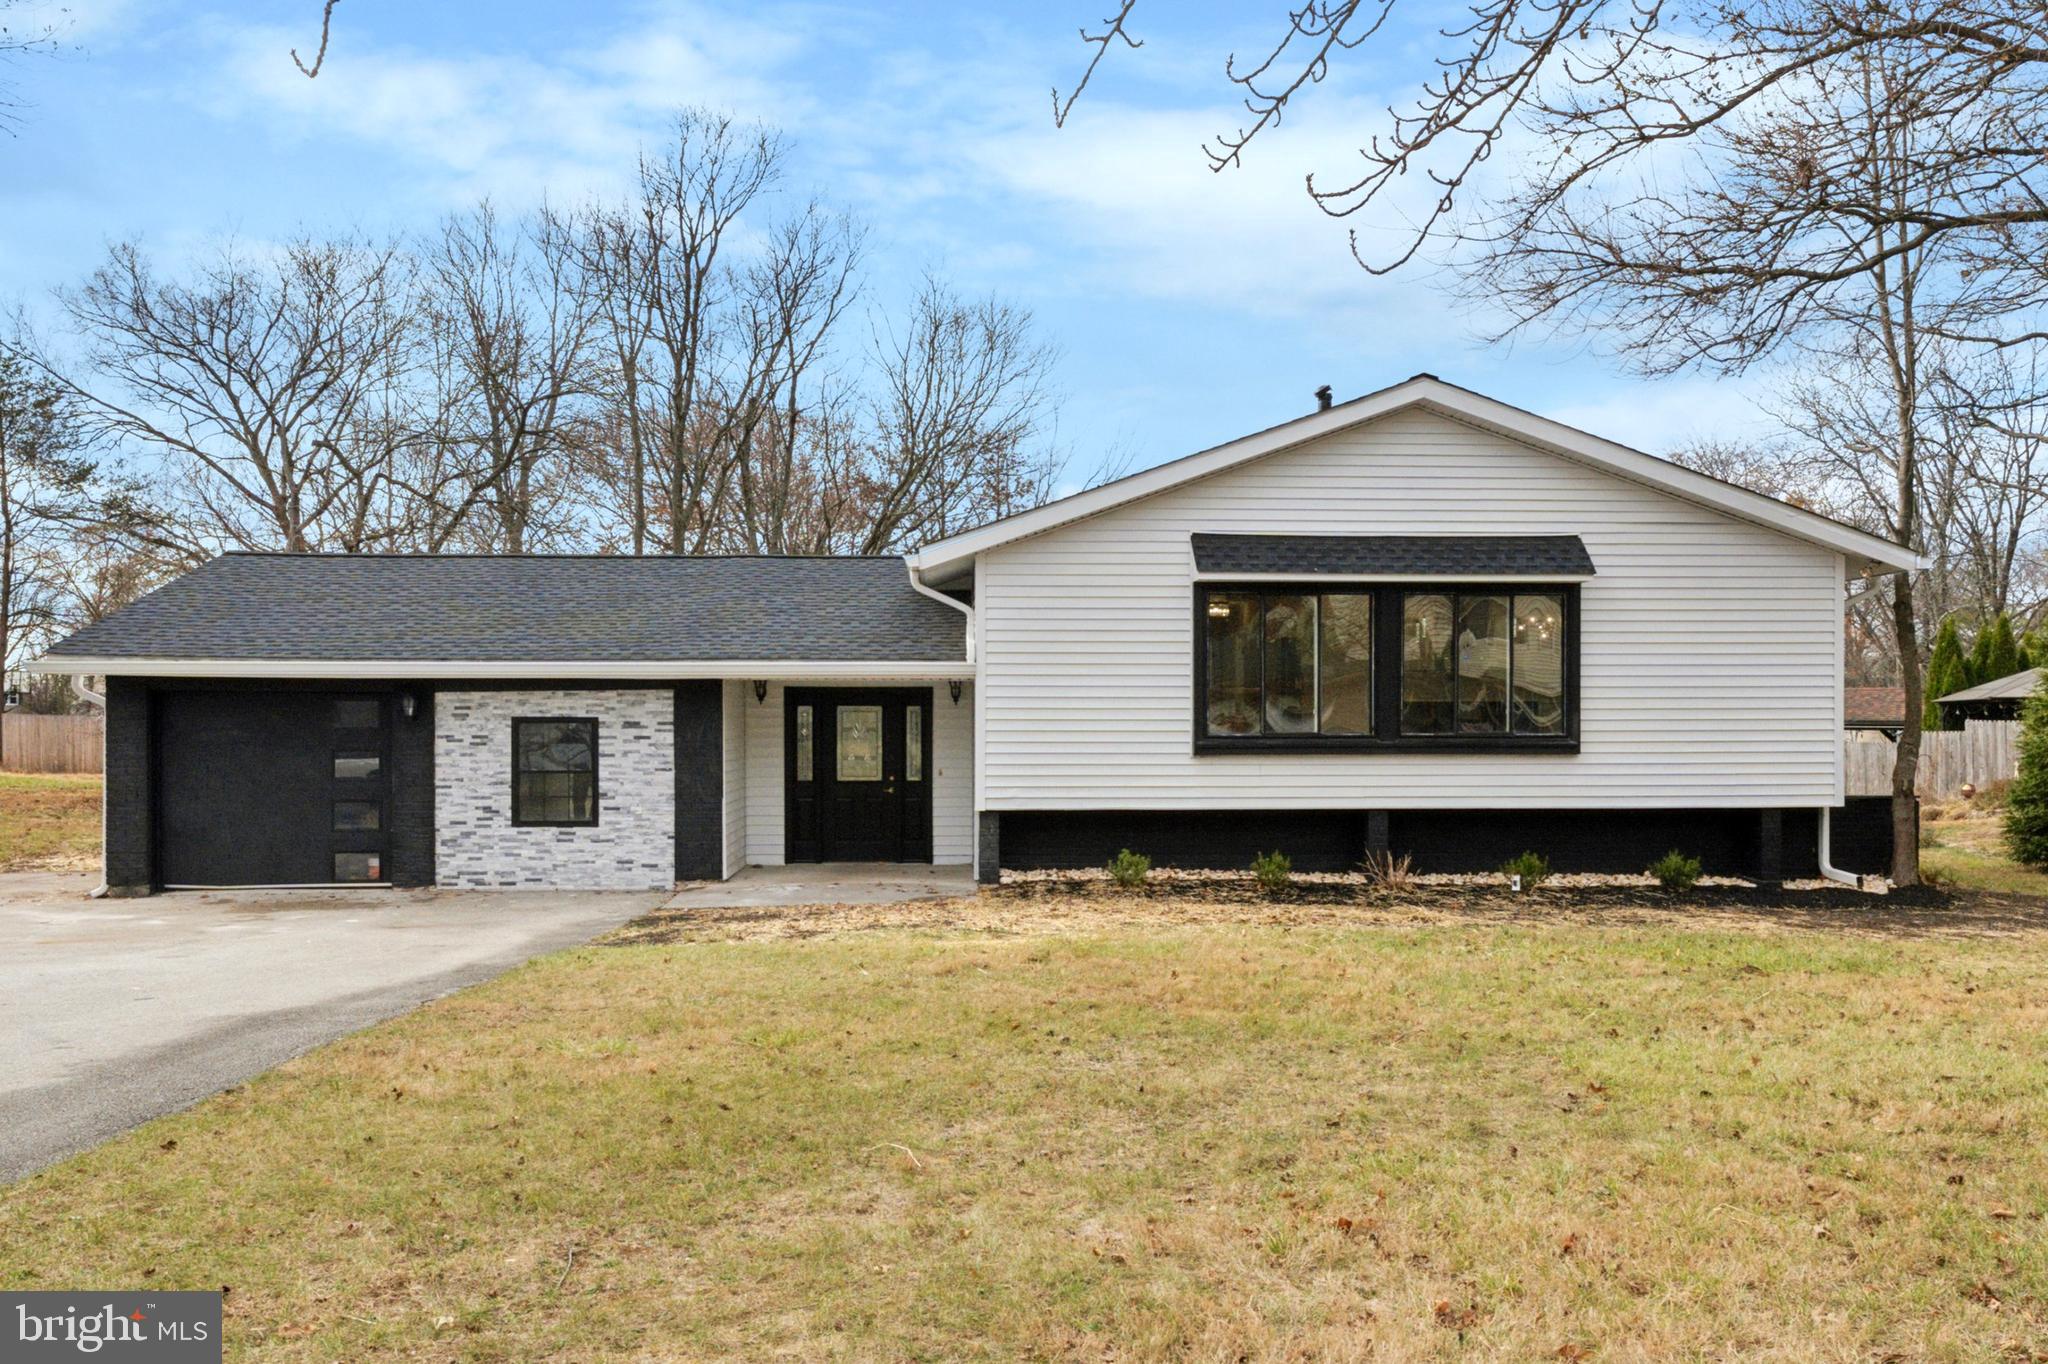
(700, 780)
(130, 788)
(989, 851)
(411, 835)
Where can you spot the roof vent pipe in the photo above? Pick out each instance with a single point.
(1323, 398)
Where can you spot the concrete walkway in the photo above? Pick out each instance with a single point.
(827, 883)
(113, 1012)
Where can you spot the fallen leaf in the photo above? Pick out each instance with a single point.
(1569, 1244)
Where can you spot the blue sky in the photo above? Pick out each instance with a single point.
(1188, 307)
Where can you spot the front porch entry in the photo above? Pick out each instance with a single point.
(857, 774)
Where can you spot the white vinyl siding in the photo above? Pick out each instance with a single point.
(1710, 648)
(736, 696)
(952, 774)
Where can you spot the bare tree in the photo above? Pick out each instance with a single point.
(41, 475)
(958, 421)
(1716, 185)
(786, 441)
(511, 344)
(680, 366)
(266, 388)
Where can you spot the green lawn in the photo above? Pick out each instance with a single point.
(1066, 1135)
(1966, 849)
(48, 821)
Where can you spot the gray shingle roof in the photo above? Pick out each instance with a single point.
(2013, 685)
(288, 607)
(1511, 556)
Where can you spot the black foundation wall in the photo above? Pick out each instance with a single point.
(1727, 842)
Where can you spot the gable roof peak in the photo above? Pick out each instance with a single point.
(1865, 553)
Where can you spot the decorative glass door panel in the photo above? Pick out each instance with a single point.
(856, 775)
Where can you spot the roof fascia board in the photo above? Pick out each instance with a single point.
(459, 669)
(1460, 404)
(1664, 476)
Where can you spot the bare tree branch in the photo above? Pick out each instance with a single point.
(1101, 42)
(320, 57)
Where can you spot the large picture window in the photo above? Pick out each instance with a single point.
(1404, 666)
(554, 772)
(1288, 664)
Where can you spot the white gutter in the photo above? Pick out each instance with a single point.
(1827, 867)
(962, 607)
(84, 693)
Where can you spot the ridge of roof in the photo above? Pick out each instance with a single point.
(1516, 423)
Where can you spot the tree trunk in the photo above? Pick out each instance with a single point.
(1906, 767)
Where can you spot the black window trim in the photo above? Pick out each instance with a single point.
(1386, 671)
(596, 804)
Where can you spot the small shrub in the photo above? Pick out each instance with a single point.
(1388, 872)
(1675, 871)
(1533, 868)
(1129, 869)
(1274, 870)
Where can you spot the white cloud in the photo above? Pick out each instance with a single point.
(1664, 414)
(503, 123)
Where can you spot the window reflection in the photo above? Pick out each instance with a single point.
(1426, 659)
(1482, 665)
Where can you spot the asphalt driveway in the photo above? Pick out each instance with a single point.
(113, 1012)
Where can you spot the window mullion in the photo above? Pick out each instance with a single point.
(1316, 659)
(1259, 638)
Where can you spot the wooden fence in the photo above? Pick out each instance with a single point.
(51, 743)
(1981, 752)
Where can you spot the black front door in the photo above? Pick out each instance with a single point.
(857, 769)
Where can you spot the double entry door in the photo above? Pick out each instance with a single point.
(858, 774)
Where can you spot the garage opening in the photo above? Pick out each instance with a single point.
(272, 788)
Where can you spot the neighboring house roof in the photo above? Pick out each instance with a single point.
(1874, 707)
(1491, 556)
(511, 615)
(944, 560)
(2012, 687)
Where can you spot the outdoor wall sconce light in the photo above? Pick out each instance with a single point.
(760, 692)
(408, 704)
(954, 688)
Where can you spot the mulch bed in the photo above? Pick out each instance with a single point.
(1055, 906)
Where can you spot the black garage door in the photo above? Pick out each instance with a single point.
(271, 788)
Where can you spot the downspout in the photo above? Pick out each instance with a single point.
(1828, 868)
(91, 697)
(962, 607)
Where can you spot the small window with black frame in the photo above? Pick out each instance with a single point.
(554, 772)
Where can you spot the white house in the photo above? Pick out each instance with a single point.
(1422, 620)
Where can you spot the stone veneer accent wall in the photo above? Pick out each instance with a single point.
(632, 846)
